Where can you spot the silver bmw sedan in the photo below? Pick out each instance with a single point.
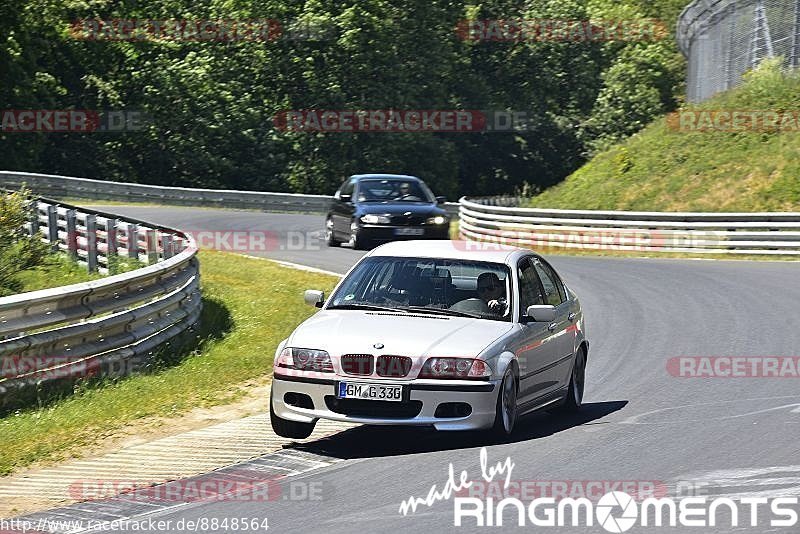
(453, 334)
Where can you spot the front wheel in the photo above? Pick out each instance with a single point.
(288, 429)
(330, 239)
(574, 399)
(356, 242)
(506, 411)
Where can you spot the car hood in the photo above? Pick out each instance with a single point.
(417, 336)
(400, 208)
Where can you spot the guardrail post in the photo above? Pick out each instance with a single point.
(111, 238)
(166, 246)
(132, 233)
(151, 246)
(52, 227)
(72, 234)
(34, 218)
(91, 242)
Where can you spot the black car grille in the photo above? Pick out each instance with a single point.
(411, 220)
(394, 366)
(374, 408)
(357, 364)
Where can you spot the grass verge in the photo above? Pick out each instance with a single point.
(662, 169)
(249, 307)
(58, 270)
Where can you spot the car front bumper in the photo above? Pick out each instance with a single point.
(481, 397)
(381, 232)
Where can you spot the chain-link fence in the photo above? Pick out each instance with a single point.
(724, 38)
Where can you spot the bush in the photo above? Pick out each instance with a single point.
(18, 250)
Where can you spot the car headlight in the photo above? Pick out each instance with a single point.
(304, 360)
(375, 219)
(439, 219)
(464, 368)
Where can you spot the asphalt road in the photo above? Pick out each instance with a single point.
(725, 436)
(288, 237)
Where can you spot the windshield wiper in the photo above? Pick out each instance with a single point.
(441, 311)
(356, 306)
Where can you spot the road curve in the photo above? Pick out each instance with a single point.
(640, 423)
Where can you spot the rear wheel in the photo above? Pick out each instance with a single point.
(506, 413)
(288, 429)
(574, 399)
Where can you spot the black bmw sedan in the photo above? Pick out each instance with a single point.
(372, 208)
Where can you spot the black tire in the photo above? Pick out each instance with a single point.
(289, 429)
(506, 411)
(577, 381)
(330, 238)
(356, 242)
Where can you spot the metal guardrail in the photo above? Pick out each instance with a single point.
(69, 187)
(499, 220)
(104, 327)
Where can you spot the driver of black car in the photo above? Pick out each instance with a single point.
(404, 192)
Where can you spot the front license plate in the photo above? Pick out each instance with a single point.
(366, 391)
(409, 231)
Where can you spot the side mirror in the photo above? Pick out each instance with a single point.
(441, 200)
(314, 297)
(336, 195)
(346, 198)
(541, 313)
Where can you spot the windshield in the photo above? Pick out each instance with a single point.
(427, 285)
(393, 191)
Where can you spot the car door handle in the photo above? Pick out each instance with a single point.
(572, 316)
(552, 326)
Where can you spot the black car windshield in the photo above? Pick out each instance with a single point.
(395, 190)
(427, 285)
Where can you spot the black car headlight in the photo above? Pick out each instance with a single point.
(439, 219)
(375, 219)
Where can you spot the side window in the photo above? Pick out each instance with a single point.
(553, 288)
(347, 187)
(529, 292)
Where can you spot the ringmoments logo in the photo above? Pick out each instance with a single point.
(615, 511)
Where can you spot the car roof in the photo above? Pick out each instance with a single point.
(452, 249)
(385, 177)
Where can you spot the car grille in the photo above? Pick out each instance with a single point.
(357, 364)
(374, 408)
(394, 366)
(410, 220)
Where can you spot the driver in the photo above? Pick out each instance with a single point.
(404, 190)
(492, 292)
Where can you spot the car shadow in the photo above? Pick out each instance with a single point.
(376, 441)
